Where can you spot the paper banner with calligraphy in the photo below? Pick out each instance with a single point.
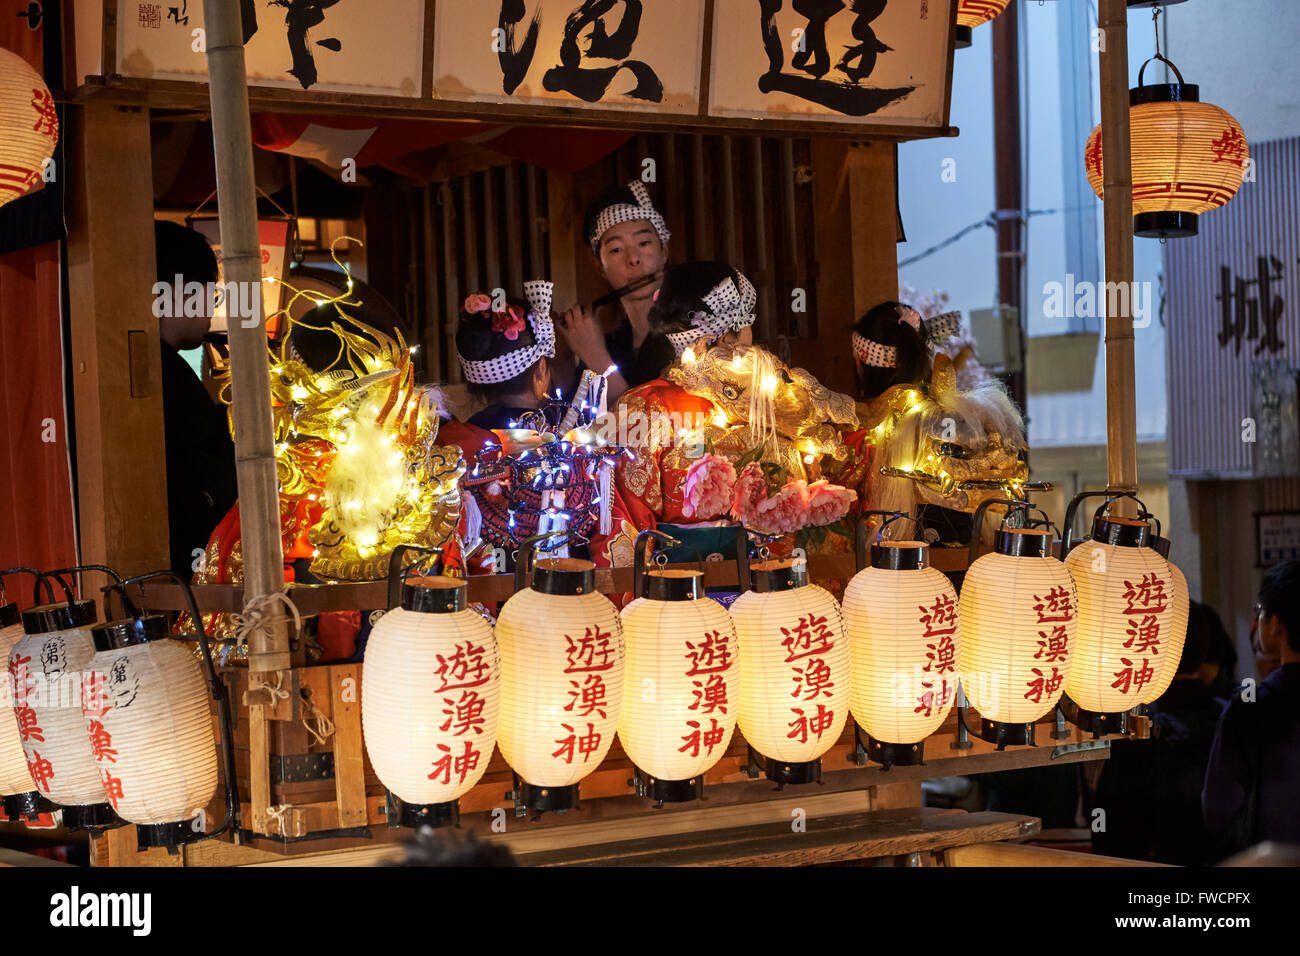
(273, 236)
(603, 54)
(344, 46)
(882, 61)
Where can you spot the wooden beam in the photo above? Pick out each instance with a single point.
(1014, 854)
(121, 460)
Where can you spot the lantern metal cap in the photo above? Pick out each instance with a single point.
(1122, 532)
(784, 772)
(416, 815)
(1165, 225)
(1023, 542)
(1006, 735)
(667, 791)
(887, 754)
(965, 37)
(129, 631)
(10, 615)
(434, 594)
(1094, 722)
(29, 805)
(541, 799)
(47, 618)
(673, 584)
(784, 574)
(1164, 93)
(169, 836)
(91, 816)
(564, 576)
(900, 555)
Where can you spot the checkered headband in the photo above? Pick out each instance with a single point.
(873, 353)
(943, 326)
(505, 367)
(626, 212)
(730, 309)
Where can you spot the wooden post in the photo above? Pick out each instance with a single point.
(259, 497)
(1121, 393)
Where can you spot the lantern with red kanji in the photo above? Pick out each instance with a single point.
(679, 703)
(21, 798)
(974, 13)
(795, 670)
(430, 699)
(902, 621)
(1133, 607)
(29, 127)
(562, 654)
(45, 669)
(145, 708)
(1188, 157)
(1019, 614)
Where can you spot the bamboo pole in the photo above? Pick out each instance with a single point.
(1121, 390)
(250, 387)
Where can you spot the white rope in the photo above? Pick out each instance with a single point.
(278, 813)
(261, 615)
(318, 725)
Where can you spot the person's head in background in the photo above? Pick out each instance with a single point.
(1196, 645)
(450, 847)
(629, 239)
(179, 251)
(1218, 670)
(889, 348)
(702, 304)
(1278, 614)
(499, 352)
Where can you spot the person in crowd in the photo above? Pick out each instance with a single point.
(201, 484)
(889, 348)
(1219, 671)
(1151, 789)
(629, 240)
(1252, 784)
(506, 358)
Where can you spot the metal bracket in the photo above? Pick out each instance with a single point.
(1060, 732)
(1064, 749)
(302, 768)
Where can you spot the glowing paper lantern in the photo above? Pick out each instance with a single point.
(561, 681)
(974, 13)
(29, 127)
(1018, 619)
(45, 669)
(1133, 608)
(679, 703)
(21, 798)
(1188, 158)
(795, 670)
(430, 699)
(145, 708)
(901, 616)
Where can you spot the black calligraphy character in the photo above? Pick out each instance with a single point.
(302, 16)
(859, 60)
(179, 14)
(812, 46)
(515, 63)
(248, 18)
(590, 83)
(1244, 314)
(868, 46)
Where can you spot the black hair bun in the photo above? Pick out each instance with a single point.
(683, 291)
(478, 341)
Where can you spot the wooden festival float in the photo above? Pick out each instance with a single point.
(305, 791)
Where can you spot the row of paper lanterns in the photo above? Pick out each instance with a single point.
(675, 673)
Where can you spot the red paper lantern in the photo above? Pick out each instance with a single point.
(29, 128)
(974, 13)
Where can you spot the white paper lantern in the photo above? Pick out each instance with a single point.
(145, 709)
(430, 699)
(796, 670)
(902, 620)
(679, 700)
(29, 127)
(562, 657)
(1019, 615)
(21, 798)
(46, 669)
(1133, 607)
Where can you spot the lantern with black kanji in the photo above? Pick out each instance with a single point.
(679, 700)
(974, 13)
(46, 668)
(1018, 619)
(21, 798)
(29, 127)
(561, 645)
(901, 616)
(1132, 621)
(1188, 157)
(795, 670)
(430, 699)
(145, 708)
